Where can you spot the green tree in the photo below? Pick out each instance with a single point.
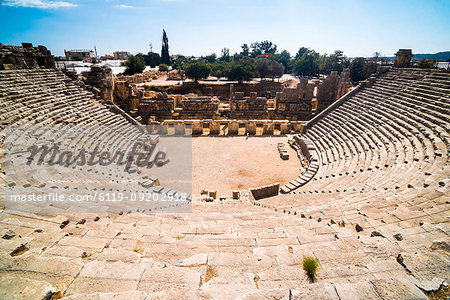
(211, 58)
(163, 68)
(245, 50)
(180, 62)
(240, 70)
(300, 52)
(357, 69)
(276, 69)
(218, 68)
(332, 62)
(225, 55)
(308, 63)
(152, 59)
(134, 64)
(284, 58)
(263, 47)
(165, 58)
(197, 70)
(262, 68)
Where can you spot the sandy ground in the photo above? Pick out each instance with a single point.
(231, 163)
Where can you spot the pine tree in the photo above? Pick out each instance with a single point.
(165, 58)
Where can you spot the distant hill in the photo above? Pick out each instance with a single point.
(439, 56)
(445, 55)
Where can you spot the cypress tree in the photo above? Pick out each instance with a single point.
(165, 58)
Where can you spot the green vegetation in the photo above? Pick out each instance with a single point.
(240, 70)
(310, 265)
(262, 59)
(163, 67)
(357, 69)
(134, 65)
(197, 70)
(165, 57)
(424, 63)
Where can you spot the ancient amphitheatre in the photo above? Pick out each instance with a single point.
(364, 190)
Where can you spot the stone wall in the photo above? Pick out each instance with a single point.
(332, 88)
(25, 57)
(102, 78)
(248, 107)
(403, 58)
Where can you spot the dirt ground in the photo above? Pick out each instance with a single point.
(233, 163)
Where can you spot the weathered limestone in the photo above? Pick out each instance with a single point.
(197, 127)
(250, 127)
(214, 127)
(375, 162)
(403, 58)
(233, 127)
(268, 128)
(180, 128)
(102, 78)
(25, 57)
(265, 191)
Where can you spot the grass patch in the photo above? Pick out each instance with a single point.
(179, 237)
(310, 265)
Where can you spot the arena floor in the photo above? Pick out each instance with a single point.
(230, 163)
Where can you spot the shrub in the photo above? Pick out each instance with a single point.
(310, 265)
(134, 65)
(163, 67)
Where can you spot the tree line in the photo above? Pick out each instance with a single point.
(259, 60)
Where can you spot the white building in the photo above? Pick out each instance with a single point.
(78, 54)
(443, 65)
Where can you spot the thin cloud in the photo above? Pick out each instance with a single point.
(38, 3)
(125, 6)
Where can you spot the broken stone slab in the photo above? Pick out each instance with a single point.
(395, 289)
(440, 245)
(195, 260)
(430, 285)
(9, 235)
(318, 291)
(155, 279)
(12, 287)
(356, 291)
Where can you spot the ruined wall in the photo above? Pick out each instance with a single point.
(264, 89)
(332, 88)
(102, 78)
(403, 58)
(253, 107)
(141, 77)
(25, 57)
(161, 107)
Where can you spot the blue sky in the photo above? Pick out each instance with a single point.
(201, 27)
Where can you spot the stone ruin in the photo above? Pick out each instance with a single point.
(102, 79)
(252, 107)
(370, 204)
(25, 57)
(294, 104)
(199, 107)
(403, 58)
